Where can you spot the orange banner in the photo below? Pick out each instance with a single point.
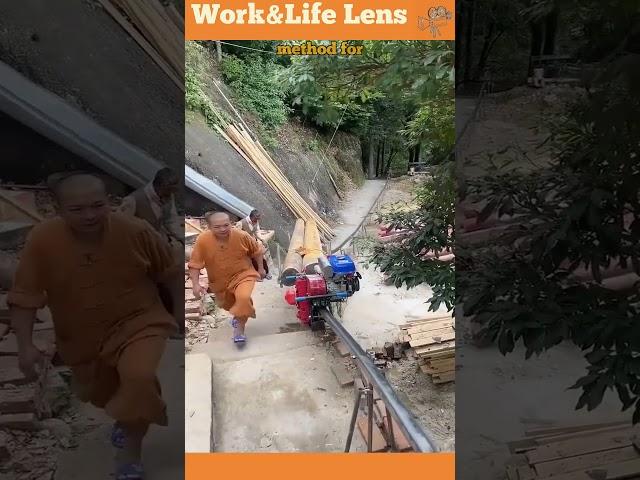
(286, 466)
(326, 20)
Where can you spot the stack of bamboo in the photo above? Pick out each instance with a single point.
(254, 153)
(159, 31)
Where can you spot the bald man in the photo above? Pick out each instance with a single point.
(98, 272)
(227, 254)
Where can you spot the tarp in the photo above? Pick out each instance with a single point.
(214, 192)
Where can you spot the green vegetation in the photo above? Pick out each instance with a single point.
(397, 97)
(431, 225)
(583, 210)
(256, 83)
(196, 100)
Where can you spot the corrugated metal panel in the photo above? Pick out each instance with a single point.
(214, 192)
(52, 117)
(55, 119)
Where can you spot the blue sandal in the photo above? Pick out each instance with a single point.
(118, 437)
(131, 471)
(237, 338)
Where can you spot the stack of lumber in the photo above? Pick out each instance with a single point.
(159, 31)
(433, 341)
(604, 451)
(260, 160)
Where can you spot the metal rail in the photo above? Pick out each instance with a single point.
(364, 219)
(416, 436)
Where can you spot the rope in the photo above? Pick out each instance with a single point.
(329, 146)
(248, 48)
(355, 232)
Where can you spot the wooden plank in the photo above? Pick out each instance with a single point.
(570, 448)
(444, 377)
(12, 375)
(27, 211)
(344, 377)
(18, 421)
(525, 472)
(522, 446)
(17, 400)
(416, 323)
(538, 432)
(616, 471)
(429, 327)
(378, 440)
(584, 434)
(512, 466)
(193, 224)
(438, 339)
(442, 347)
(437, 355)
(582, 462)
(343, 351)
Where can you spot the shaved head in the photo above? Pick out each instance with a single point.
(219, 223)
(82, 201)
(78, 184)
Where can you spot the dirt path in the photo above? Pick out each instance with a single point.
(355, 208)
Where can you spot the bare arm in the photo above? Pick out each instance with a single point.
(22, 320)
(128, 205)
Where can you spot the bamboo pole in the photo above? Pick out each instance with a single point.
(271, 174)
(283, 183)
(140, 39)
(293, 261)
(312, 247)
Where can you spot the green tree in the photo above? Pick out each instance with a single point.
(583, 210)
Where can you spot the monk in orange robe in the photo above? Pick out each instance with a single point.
(98, 272)
(226, 253)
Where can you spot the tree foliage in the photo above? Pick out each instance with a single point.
(431, 231)
(255, 81)
(583, 211)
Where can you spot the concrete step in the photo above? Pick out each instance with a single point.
(198, 412)
(224, 350)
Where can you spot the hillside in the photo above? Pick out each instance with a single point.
(298, 150)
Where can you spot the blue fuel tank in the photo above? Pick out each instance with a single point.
(342, 265)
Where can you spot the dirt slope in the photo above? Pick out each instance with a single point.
(77, 51)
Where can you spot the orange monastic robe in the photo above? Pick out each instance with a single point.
(231, 274)
(110, 325)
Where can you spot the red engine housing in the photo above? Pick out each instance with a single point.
(308, 286)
